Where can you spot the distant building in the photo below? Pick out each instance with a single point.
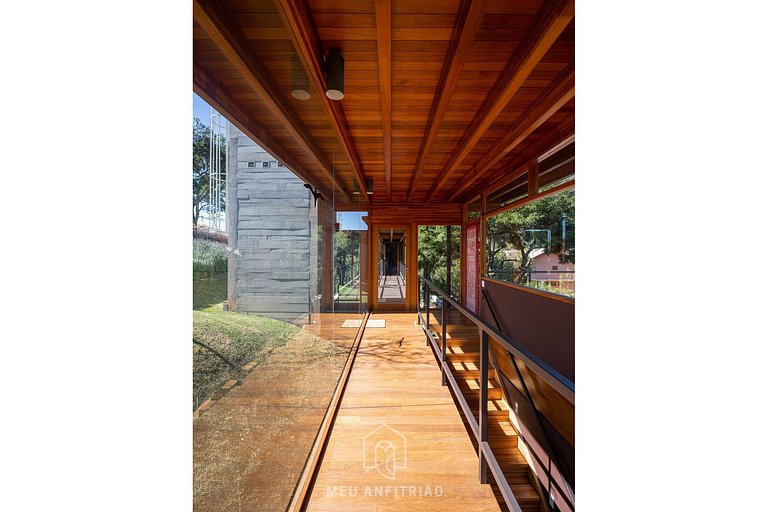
(548, 269)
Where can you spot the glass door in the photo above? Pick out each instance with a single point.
(392, 278)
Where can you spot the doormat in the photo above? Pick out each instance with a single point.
(372, 324)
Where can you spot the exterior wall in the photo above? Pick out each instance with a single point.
(272, 236)
(545, 262)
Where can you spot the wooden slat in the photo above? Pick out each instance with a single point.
(512, 168)
(384, 37)
(205, 87)
(550, 22)
(463, 36)
(222, 30)
(296, 15)
(562, 89)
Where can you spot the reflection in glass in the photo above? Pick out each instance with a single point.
(392, 269)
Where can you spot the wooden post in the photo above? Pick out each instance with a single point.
(533, 178)
(328, 263)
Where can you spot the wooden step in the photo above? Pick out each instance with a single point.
(472, 374)
(526, 497)
(471, 391)
(461, 356)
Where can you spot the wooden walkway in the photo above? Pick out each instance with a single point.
(399, 442)
(392, 290)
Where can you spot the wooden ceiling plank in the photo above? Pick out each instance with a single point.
(467, 23)
(559, 92)
(230, 40)
(208, 89)
(297, 17)
(550, 22)
(516, 165)
(384, 37)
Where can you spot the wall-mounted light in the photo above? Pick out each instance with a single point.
(355, 188)
(299, 80)
(334, 67)
(369, 186)
(317, 195)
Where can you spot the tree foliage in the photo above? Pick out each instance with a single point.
(433, 257)
(347, 248)
(201, 168)
(512, 236)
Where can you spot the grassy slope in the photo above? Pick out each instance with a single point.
(238, 337)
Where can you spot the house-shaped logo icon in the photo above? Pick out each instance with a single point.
(384, 449)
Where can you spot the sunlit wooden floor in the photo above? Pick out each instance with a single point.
(398, 442)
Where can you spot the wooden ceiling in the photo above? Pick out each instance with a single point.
(442, 97)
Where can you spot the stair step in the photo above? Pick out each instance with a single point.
(453, 341)
(461, 356)
(471, 374)
(471, 391)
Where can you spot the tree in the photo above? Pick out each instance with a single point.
(201, 168)
(433, 257)
(512, 236)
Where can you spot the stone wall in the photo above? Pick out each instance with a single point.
(272, 224)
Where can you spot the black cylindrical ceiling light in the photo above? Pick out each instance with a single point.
(369, 186)
(334, 66)
(299, 80)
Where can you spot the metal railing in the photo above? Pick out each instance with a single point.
(564, 386)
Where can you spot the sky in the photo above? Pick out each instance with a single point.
(352, 221)
(201, 109)
(348, 220)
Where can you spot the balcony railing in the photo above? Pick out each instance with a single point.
(564, 386)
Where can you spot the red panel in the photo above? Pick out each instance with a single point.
(472, 273)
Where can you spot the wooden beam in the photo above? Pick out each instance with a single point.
(467, 23)
(296, 15)
(230, 40)
(552, 18)
(559, 92)
(515, 166)
(208, 89)
(384, 42)
(533, 177)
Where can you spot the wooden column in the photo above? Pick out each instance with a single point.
(533, 178)
(327, 303)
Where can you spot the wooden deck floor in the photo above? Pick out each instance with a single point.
(399, 421)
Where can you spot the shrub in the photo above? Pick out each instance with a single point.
(205, 233)
(208, 256)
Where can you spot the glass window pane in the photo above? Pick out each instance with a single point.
(534, 245)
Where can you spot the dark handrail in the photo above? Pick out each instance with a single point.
(558, 381)
(487, 458)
